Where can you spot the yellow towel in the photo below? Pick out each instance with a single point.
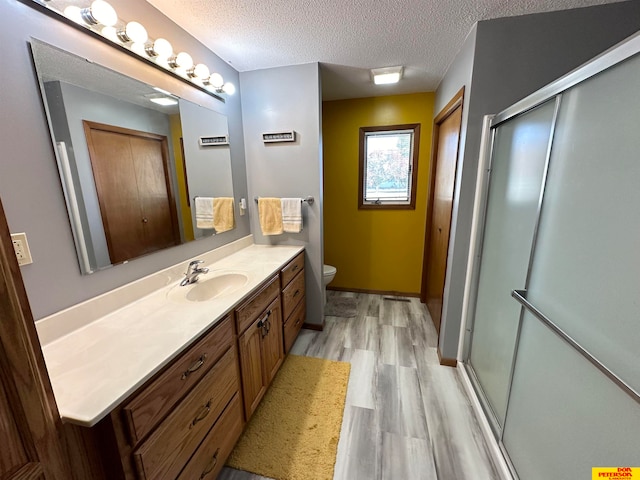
(270, 213)
(223, 219)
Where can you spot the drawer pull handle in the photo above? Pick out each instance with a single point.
(194, 366)
(296, 294)
(212, 464)
(298, 321)
(206, 408)
(295, 267)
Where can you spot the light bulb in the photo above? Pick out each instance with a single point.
(163, 62)
(110, 32)
(133, 32)
(159, 48)
(100, 12)
(229, 88)
(200, 71)
(138, 48)
(215, 80)
(182, 61)
(73, 13)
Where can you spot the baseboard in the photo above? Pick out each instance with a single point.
(494, 448)
(314, 326)
(447, 362)
(374, 292)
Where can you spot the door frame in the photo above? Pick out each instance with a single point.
(456, 102)
(28, 386)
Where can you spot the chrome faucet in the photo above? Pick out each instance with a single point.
(193, 270)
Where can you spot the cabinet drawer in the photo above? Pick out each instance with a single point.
(164, 454)
(292, 294)
(210, 457)
(292, 269)
(249, 310)
(148, 408)
(293, 325)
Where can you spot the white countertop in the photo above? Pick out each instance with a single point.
(94, 368)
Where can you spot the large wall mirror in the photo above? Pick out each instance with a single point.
(131, 159)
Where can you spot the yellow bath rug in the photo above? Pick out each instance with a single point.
(293, 434)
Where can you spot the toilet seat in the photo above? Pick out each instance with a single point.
(328, 270)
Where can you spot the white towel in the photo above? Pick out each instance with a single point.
(204, 212)
(292, 215)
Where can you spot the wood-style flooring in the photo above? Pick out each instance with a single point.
(406, 416)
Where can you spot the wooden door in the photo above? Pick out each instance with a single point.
(30, 426)
(443, 172)
(252, 367)
(131, 172)
(272, 349)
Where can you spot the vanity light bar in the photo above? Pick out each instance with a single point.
(101, 18)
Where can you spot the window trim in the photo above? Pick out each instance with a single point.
(362, 205)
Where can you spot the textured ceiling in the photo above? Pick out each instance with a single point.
(348, 37)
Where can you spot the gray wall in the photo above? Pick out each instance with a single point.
(208, 168)
(281, 99)
(513, 58)
(29, 186)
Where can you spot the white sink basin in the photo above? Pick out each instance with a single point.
(209, 288)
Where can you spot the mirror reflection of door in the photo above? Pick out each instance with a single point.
(131, 172)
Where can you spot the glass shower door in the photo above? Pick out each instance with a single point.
(518, 166)
(575, 398)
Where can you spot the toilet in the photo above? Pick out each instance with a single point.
(328, 272)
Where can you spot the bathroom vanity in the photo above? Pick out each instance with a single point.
(168, 396)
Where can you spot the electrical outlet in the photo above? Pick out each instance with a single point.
(21, 248)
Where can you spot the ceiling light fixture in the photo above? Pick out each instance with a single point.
(164, 101)
(383, 76)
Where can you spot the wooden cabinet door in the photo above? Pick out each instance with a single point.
(30, 445)
(251, 365)
(272, 349)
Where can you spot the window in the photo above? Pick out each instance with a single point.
(388, 166)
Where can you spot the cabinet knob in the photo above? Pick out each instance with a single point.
(145, 220)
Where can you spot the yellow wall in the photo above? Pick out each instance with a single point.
(185, 211)
(372, 250)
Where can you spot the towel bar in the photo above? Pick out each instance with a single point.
(308, 199)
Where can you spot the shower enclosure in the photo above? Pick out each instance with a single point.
(554, 303)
